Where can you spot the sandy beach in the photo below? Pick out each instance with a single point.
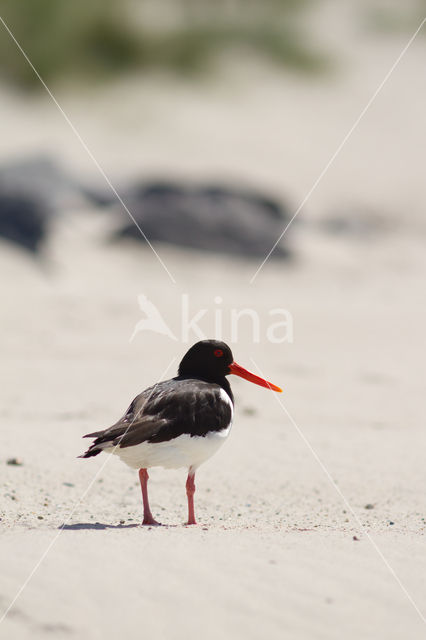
(275, 551)
(312, 516)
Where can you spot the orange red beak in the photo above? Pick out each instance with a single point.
(237, 370)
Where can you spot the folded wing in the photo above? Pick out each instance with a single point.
(164, 412)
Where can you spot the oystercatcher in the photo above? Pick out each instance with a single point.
(179, 422)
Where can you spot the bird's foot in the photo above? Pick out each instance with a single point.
(191, 521)
(151, 522)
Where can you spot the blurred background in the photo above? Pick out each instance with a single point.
(191, 94)
(213, 121)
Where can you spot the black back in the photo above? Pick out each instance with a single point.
(191, 403)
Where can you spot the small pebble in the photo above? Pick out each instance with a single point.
(40, 517)
(15, 462)
(68, 484)
(369, 506)
(390, 522)
(355, 538)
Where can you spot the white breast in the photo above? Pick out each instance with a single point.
(184, 451)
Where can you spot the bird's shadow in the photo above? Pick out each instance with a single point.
(95, 526)
(100, 526)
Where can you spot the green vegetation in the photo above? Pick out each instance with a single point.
(396, 17)
(89, 39)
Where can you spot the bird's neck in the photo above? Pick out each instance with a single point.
(224, 383)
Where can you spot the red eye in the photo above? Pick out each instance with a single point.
(218, 353)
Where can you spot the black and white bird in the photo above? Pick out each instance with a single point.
(179, 422)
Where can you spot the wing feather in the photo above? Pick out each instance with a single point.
(166, 411)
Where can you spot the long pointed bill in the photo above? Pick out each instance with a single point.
(251, 377)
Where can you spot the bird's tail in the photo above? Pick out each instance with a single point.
(96, 447)
(91, 451)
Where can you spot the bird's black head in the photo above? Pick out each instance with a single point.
(213, 360)
(208, 359)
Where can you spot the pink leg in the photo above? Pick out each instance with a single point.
(190, 490)
(147, 515)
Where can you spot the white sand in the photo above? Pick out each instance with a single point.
(274, 554)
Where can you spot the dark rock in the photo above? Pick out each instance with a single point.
(369, 506)
(30, 192)
(106, 197)
(22, 221)
(43, 181)
(210, 218)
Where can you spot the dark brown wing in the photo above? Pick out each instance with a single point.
(166, 411)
